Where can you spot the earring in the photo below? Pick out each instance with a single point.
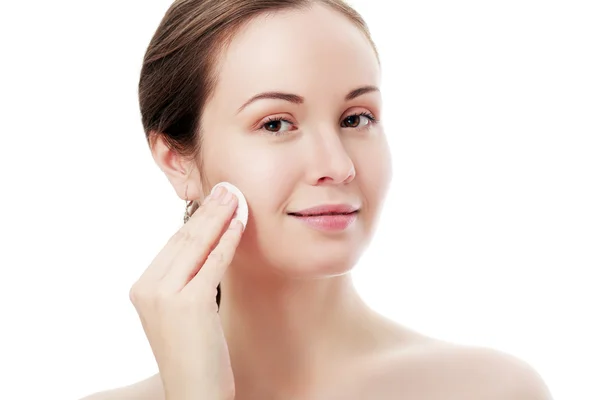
(188, 207)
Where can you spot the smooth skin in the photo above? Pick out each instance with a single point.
(294, 325)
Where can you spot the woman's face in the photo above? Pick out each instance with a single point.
(316, 145)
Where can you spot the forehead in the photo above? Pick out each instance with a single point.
(300, 51)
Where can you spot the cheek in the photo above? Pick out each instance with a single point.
(374, 171)
(264, 175)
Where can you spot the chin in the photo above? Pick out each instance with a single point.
(323, 263)
(304, 255)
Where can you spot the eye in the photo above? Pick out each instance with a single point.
(358, 120)
(277, 126)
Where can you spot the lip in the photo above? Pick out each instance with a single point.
(326, 209)
(328, 218)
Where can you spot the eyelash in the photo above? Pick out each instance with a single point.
(368, 115)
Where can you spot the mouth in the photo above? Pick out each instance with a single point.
(323, 214)
(328, 218)
(326, 210)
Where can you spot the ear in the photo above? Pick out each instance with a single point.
(181, 172)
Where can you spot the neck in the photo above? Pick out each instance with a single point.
(288, 331)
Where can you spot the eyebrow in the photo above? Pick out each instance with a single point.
(294, 98)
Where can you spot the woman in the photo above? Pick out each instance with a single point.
(280, 98)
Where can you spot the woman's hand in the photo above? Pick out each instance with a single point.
(175, 299)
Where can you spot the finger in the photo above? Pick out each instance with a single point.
(199, 242)
(211, 273)
(164, 259)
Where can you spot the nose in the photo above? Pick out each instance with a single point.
(330, 162)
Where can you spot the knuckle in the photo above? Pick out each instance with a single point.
(133, 295)
(136, 293)
(210, 217)
(216, 256)
(204, 212)
(152, 298)
(182, 235)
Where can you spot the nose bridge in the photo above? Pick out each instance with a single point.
(330, 159)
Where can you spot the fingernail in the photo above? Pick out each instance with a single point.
(227, 198)
(218, 194)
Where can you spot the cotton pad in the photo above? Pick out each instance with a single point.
(241, 213)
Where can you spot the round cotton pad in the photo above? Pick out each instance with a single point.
(241, 213)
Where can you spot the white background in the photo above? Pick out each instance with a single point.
(491, 235)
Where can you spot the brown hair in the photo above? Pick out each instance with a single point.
(178, 74)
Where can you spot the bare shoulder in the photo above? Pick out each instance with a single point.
(447, 371)
(147, 389)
